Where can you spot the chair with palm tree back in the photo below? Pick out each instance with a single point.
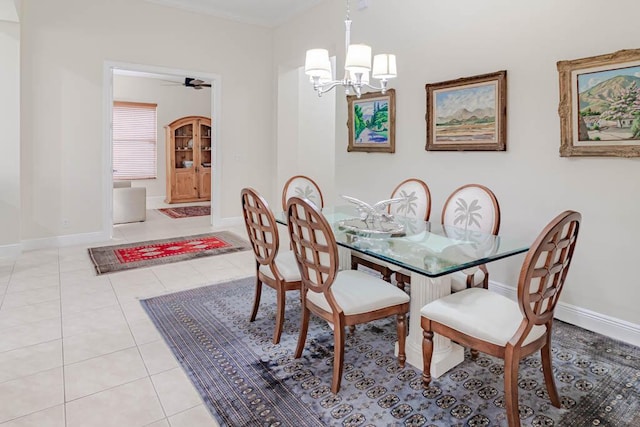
(472, 207)
(277, 269)
(303, 187)
(342, 298)
(501, 327)
(416, 204)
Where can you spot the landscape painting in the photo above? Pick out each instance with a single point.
(372, 122)
(600, 105)
(467, 114)
(609, 105)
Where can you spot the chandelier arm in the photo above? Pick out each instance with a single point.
(326, 87)
(382, 87)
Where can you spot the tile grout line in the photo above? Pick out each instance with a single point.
(64, 381)
(137, 346)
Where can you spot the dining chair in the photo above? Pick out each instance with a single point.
(277, 269)
(472, 207)
(342, 298)
(416, 204)
(501, 327)
(303, 187)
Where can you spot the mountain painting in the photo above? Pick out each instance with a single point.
(466, 114)
(609, 105)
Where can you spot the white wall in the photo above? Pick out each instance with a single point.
(9, 10)
(305, 133)
(173, 102)
(439, 41)
(64, 48)
(10, 125)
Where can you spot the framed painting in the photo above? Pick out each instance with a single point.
(468, 114)
(372, 122)
(600, 105)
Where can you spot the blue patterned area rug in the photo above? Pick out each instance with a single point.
(245, 380)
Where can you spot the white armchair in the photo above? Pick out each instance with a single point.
(129, 203)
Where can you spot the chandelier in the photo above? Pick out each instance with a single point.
(357, 67)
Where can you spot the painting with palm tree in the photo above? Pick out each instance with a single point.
(372, 122)
(409, 206)
(467, 214)
(306, 192)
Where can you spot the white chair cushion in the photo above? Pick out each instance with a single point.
(287, 265)
(482, 314)
(459, 278)
(357, 292)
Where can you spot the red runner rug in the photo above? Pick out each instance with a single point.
(108, 259)
(186, 211)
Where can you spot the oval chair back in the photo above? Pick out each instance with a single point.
(545, 269)
(261, 226)
(314, 246)
(417, 203)
(472, 207)
(303, 187)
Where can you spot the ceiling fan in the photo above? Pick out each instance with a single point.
(195, 83)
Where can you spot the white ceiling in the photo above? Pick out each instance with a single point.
(268, 13)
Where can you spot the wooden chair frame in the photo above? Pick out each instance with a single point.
(537, 302)
(263, 234)
(318, 263)
(290, 180)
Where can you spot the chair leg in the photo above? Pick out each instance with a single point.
(511, 361)
(338, 356)
(302, 336)
(427, 352)
(401, 326)
(474, 354)
(545, 355)
(256, 299)
(485, 281)
(402, 280)
(280, 297)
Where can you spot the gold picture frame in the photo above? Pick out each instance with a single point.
(600, 105)
(372, 122)
(468, 114)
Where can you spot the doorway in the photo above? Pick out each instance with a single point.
(134, 83)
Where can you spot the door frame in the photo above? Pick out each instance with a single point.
(107, 152)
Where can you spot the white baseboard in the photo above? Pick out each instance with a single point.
(10, 251)
(601, 323)
(66, 240)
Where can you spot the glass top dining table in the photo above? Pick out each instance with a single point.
(425, 248)
(430, 253)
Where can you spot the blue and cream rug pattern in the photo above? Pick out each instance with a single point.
(245, 380)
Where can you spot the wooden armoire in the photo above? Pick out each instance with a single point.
(188, 159)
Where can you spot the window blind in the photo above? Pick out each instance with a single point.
(134, 140)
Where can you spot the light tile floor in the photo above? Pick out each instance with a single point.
(78, 350)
